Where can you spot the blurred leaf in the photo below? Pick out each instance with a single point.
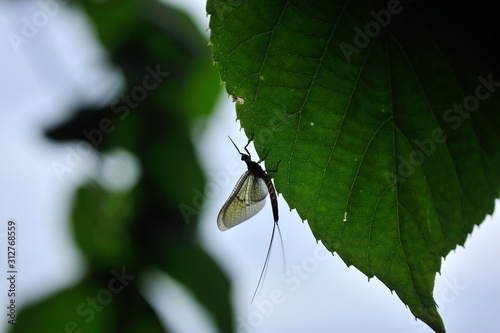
(72, 311)
(136, 314)
(144, 40)
(104, 303)
(170, 82)
(164, 37)
(198, 97)
(101, 223)
(85, 118)
(166, 220)
(194, 268)
(357, 99)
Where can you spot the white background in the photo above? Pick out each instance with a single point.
(325, 297)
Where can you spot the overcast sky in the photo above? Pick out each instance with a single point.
(323, 296)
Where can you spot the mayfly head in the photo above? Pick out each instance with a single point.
(244, 157)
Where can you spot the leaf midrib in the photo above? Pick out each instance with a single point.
(409, 271)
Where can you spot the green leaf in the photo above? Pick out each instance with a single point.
(358, 99)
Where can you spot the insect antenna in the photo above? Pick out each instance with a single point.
(266, 262)
(235, 146)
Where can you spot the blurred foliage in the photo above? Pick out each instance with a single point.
(170, 81)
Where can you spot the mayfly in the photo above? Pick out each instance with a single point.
(248, 198)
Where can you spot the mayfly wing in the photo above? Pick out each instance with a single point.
(247, 199)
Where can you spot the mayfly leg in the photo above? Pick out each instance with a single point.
(275, 170)
(249, 140)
